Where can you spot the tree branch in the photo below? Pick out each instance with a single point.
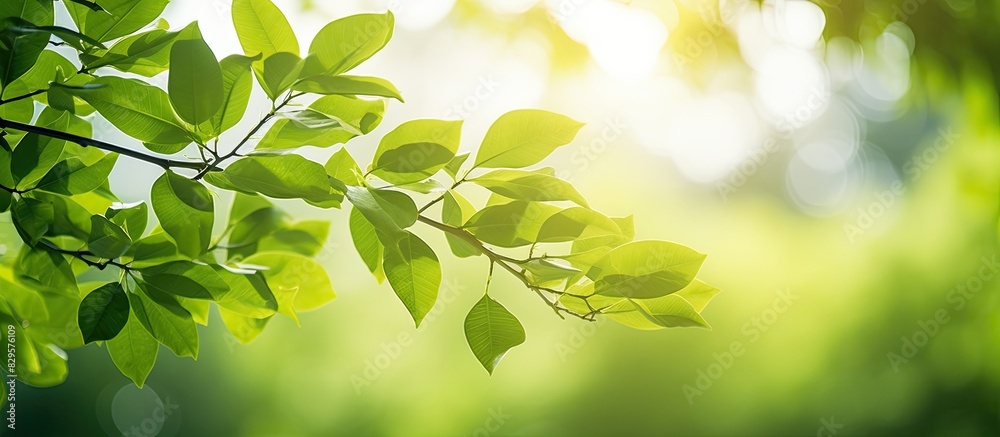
(503, 261)
(90, 142)
(220, 159)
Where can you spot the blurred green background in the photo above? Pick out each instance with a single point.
(837, 161)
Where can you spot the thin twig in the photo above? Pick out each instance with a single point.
(90, 142)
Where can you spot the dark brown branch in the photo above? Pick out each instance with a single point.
(90, 142)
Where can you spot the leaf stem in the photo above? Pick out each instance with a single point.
(503, 261)
(21, 97)
(220, 159)
(90, 142)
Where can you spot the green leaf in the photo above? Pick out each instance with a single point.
(279, 71)
(103, 313)
(166, 320)
(5, 198)
(305, 237)
(343, 167)
(367, 243)
(132, 218)
(237, 84)
(453, 166)
(18, 53)
(293, 274)
(414, 273)
(71, 37)
(250, 229)
(262, 28)
(389, 211)
(577, 223)
(185, 279)
(134, 351)
(47, 270)
(545, 270)
(146, 54)
(119, 18)
(248, 295)
(69, 217)
(185, 210)
(415, 150)
(646, 269)
(153, 250)
(524, 137)
(329, 120)
(72, 176)
(244, 328)
(139, 110)
(491, 331)
(537, 185)
(195, 82)
(39, 12)
(455, 210)
(107, 240)
(349, 41)
(36, 154)
(348, 86)
(32, 219)
(512, 224)
(286, 177)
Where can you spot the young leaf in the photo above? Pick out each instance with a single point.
(166, 320)
(578, 223)
(389, 211)
(244, 328)
(280, 70)
(455, 210)
(146, 54)
(367, 243)
(185, 210)
(453, 166)
(415, 150)
(103, 313)
(195, 82)
(414, 273)
(491, 331)
(237, 84)
(134, 351)
(524, 137)
(349, 41)
(132, 218)
(139, 110)
(262, 28)
(348, 86)
(537, 185)
(511, 224)
(646, 269)
(343, 167)
(185, 279)
(248, 295)
(294, 274)
(119, 18)
(107, 240)
(329, 120)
